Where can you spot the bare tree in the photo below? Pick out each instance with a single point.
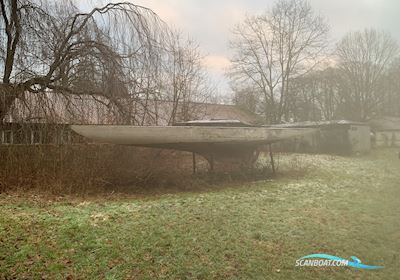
(249, 99)
(186, 80)
(114, 51)
(390, 86)
(364, 58)
(316, 96)
(272, 49)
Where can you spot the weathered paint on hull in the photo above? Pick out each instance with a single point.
(185, 135)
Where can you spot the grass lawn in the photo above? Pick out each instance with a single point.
(340, 206)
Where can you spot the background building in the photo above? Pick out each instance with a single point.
(332, 137)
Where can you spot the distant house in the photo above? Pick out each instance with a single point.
(331, 137)
(209, 111)
(45, 119)
(386, 131)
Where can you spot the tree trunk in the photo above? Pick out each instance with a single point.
(8, 94)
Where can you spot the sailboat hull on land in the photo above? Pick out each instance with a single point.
(189, 138)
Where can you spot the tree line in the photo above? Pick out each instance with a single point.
(118, 54)
(285, 68)
(124, 57)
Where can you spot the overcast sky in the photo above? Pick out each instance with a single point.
(210, 22)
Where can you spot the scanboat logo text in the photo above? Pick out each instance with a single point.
(329, 260)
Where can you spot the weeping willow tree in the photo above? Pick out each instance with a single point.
(112, 53)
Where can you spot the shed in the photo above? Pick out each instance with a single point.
(331, 137)
(386, 131)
